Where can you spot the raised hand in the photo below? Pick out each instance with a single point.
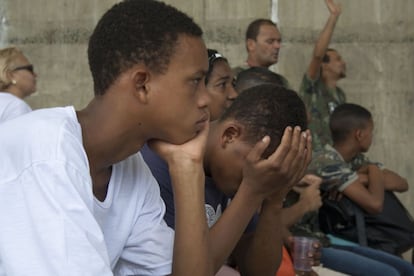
(334, 9)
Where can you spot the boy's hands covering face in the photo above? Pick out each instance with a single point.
(283, 168)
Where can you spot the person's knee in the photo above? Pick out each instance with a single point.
(406, 269)
(387, 270)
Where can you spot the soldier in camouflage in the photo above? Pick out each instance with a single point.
(320, 102)
(318, 89)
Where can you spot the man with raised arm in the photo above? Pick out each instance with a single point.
(319, 88)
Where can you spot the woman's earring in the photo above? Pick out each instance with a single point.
(13, 81)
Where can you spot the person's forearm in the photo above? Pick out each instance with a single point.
(394, 182)
(321, 45)
(293, 214)
(191, 245)
(325, 37)
(227, 231)
(376, 187)
(263, 251)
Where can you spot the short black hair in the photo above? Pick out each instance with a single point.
(326, 58)
(346, 118)
(255, 76)
(135, 31)
(213, 56)
(253, 29)
(267, 110)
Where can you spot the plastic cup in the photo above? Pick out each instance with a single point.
(302, 247)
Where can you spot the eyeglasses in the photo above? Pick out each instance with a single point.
(29, 68)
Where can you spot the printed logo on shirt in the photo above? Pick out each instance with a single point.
(212, 215)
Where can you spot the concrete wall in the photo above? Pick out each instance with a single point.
(54, 34)
(375, 37)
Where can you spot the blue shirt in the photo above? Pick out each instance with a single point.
(215, 200)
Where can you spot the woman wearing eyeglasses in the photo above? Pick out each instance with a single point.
(17, 81)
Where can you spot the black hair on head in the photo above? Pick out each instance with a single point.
(255, 76)
(252, 30)
(326, 58)
(267, 110)
(346, 118)
(213, 56)
(132, 32)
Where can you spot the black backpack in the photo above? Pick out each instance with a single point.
(392, 230)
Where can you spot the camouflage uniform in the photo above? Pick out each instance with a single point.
(337, 174)
(362, 160)
(330, 166)
(320, 102)
(308, 225)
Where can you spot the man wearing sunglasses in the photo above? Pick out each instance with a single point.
(17, 81)
(319, 88)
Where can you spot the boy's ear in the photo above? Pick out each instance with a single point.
(140, 78)
(358, 134)
(231, 133)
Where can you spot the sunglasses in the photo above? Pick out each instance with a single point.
(29, 68)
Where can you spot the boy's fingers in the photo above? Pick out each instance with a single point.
(306, 154)
(282, 150)
(257, 151)
(309, 149)
(294, 148)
